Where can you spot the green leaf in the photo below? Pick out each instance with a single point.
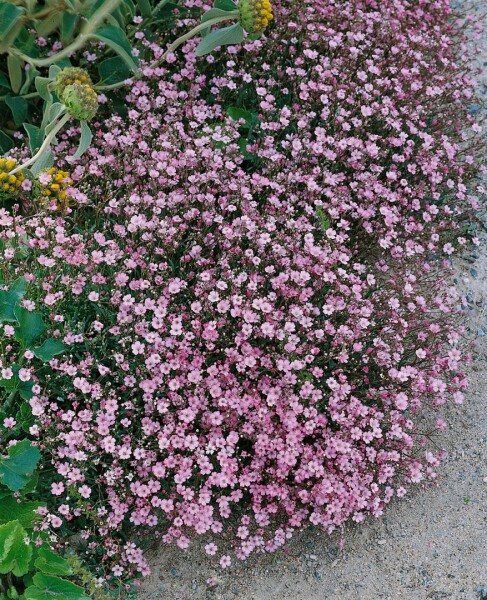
(18, 107)
(15, 72)
(15, 554)
(49, 24)
(25, 389)
(45, 161)
(31, 485)
(4, 82)
(30, 325)
(36, 136)
(8, 300)
(23, 512)
(53, 71)
(113, 70)
(10, 16)
(26, 42)
(115, 38)
(145, 8)
(226, 5)
(128, 10)
(68, 26)
(55, 110)
(6, 142)
(19, 287)
(42, 84)
(84, 143)
(51, 563)
(14, 383)
(17, 468)
(49, 349)
(213, 13)
(239, 113)
(49, 587)
(26, 419)
(221, 37)
(7, 304)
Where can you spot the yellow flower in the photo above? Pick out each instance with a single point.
(54, 190)
(69, 76)
(255, 15)
(10, 183)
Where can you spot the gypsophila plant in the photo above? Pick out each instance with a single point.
(252, 282)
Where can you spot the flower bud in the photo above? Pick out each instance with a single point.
(255, 15)
(80, 100)
(69, 76)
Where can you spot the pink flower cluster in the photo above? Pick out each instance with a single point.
(257, 339)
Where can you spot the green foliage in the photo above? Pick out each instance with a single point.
(29, 325)
(234, 34)
(15, 553)
(49, 587)
(17, 468)
(49, 349)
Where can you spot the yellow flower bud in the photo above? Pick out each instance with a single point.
(255, 15)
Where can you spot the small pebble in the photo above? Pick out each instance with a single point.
(174, 571)
(484, 479)
(480, 332)
(474, 272)
(382, 542)
(482, 591)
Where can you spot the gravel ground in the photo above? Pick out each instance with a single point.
(432, 544)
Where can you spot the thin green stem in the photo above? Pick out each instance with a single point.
(230, 16)
(45, 144)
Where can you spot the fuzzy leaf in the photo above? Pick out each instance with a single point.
(15, 72)
(42, 84)
(221, 37)
(53, 71)
(68, 26)
(213, 13)
(10, 16)
(36, 136)
(117, 40)
(6, 142)
(49, 24)
(19, 108)
(226, 5)
(45, 161)
(84, 143)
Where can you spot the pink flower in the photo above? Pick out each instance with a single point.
(225, 561)
(57, 488)
(85, 491)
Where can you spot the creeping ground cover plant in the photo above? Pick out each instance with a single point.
(249, 274)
